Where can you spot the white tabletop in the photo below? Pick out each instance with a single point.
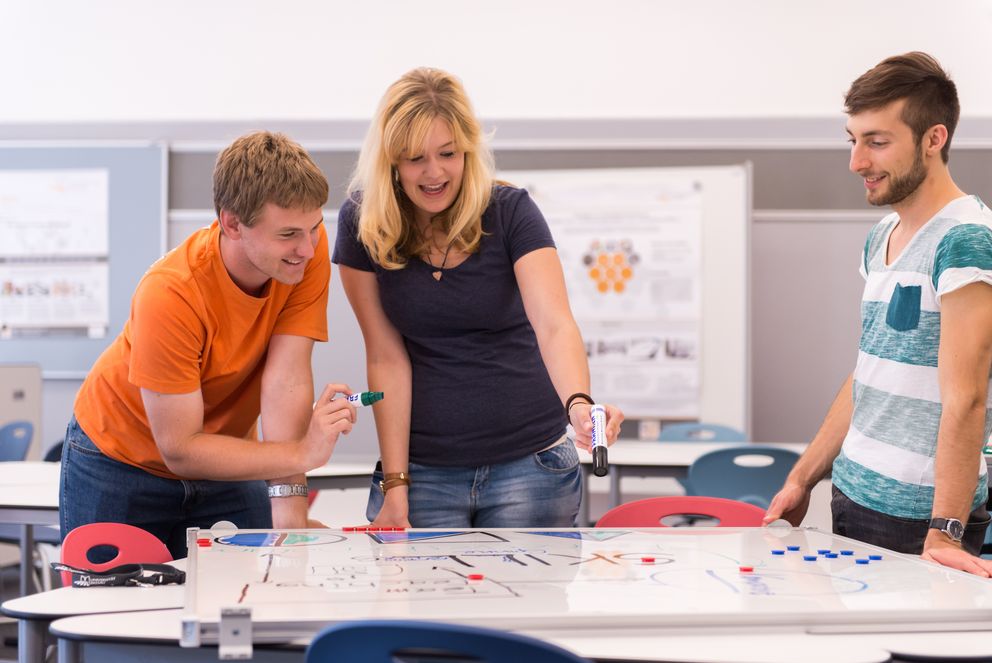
(29, 485)
(767, 647)
(66, 601)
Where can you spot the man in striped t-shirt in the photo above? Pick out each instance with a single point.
(904, 436)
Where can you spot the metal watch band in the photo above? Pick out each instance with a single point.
(288, 490)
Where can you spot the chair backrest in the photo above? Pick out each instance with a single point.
(15, 439)
(378, 641)
(699, 432)
(134, 546)
(750, 473)
(649, 512)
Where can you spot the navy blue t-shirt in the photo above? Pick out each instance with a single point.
(481, 392)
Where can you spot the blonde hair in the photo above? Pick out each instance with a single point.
(265, 167)
(386, 224)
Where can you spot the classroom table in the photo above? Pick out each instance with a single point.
(816, 613)
(29, 496)
(36, 612)
(151, 638)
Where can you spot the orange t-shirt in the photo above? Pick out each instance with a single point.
(191, 327)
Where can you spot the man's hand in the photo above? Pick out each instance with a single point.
(790, 503)
(938, 548)
(331, 417)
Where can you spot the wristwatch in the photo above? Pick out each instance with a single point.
(288, 490)
(952, 527)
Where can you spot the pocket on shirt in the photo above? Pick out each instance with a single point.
(903, 313)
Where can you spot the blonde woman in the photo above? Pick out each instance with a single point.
(460, 296)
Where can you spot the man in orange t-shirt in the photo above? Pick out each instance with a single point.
(221, 330)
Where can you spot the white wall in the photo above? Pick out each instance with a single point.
(121, 60)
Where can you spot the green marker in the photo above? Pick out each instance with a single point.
(365, 398)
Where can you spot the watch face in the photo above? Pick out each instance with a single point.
(954, 529)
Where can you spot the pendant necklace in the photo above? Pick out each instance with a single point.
(437, 273)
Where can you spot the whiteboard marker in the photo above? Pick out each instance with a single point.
(365, 398)
(599, 466)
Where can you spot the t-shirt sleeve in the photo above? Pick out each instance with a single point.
(525, 227)
(863, 268)
(305, 312)
(167, 338)
(963, 257)
(348, 250)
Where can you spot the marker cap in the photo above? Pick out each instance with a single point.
(599, 465)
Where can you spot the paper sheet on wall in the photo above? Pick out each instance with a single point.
(630, 246)
(54, 276)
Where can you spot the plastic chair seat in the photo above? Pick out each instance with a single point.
(649, 512)
(134, 546)
(380, 641)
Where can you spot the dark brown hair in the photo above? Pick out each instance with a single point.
(265, 167)
(930, 94)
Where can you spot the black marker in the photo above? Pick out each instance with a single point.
(599, 466)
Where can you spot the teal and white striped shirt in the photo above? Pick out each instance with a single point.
(887, 461)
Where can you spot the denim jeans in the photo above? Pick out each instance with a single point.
(541, 489)
(96, 488)
(903, 535)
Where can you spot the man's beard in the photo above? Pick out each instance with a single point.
(902, 186)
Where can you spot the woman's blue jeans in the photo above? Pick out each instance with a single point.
(541, 489)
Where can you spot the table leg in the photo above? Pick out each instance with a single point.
(614, 486)
(584, 502)
(31, 640)
(27, 560)
(68, 651)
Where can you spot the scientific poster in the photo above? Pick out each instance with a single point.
(54, 255)
(630, 245)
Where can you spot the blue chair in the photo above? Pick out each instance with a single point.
(700, 432)
(384, 641)
(15, 438)
(750, 473)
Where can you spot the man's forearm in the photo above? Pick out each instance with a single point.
(956, 466)
(226, 458)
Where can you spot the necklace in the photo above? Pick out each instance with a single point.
(437, 273)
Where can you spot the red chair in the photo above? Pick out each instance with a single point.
(134, 546)
(650, 511)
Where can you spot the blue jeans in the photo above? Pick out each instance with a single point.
(95, 488)
(541, 489)
(903, 535)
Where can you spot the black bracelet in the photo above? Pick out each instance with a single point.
(578, 394)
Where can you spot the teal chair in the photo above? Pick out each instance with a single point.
(700, 432)
(388, 641)
(749, 473)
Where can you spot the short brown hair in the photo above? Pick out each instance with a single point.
(265, 167)
(930, 94)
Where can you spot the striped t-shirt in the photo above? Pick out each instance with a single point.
(887, 461)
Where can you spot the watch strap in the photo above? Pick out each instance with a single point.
(951, 527)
